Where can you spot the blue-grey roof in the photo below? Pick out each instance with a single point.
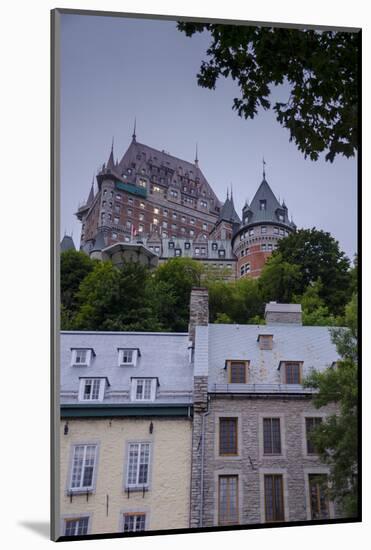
(67, 243)
(162, 355)
(311, 345)
(272, 209)
(228, 212)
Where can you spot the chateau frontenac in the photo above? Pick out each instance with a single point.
(154, 206)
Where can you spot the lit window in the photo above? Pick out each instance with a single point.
(134, 522)
(141, 217)
(143, 389)
(251, 232)
(83, 465)
(164, 224)
(191, 232)
(142, 205)
(264, 229)
(204, 226)
(92, 389)
(178, 252)
(76, 526)
(141, 228)
(114, 236)
(197, 251)
(155, 221)
(127, 357)
(138, 465)
(81, 357)
(157, 249)
(155, 210)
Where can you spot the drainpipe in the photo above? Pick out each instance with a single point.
(204, 415)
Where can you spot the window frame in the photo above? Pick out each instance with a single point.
(273, 452)
(318, 496)
(265, 341)
(228, 521)
(76, 519)
(317, 420)
(284, 376)
(134, 388)
(136, 515)
(232, 362)
(137, 485)
(82, 488)
(101, 388)
(282, 489)
(89, 353)
(233, 420)
(133, 362)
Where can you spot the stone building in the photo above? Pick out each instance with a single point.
(125, 433)
(152, 198)
(253, 460)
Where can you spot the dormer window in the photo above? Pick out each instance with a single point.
(92, 389)
(265, 341)
(237, 371)
(263, 204)
(171, 244)
(291, 372)
(221, 253)
(143, 389)
(214, 246)
(178, 252)
(81, 357)
(128, 357)
(187, 246)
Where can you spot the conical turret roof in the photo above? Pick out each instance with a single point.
(228, 212)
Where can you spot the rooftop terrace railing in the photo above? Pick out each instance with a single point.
(260, 388)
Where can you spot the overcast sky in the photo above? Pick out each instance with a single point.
(115, 69)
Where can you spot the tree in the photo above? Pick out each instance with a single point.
(315, 312)
(280, 280)
(318, 256)
(336, 438)
(319, 67)
(234, 301)
(115, 298)
(170, 289)
(74, 267)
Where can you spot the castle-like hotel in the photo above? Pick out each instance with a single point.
(155, 206)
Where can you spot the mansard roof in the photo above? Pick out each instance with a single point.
(139, 155)
(162, 355)
(99, 242)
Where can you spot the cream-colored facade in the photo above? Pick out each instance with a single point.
(166, 503)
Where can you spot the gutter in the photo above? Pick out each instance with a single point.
(204, 415)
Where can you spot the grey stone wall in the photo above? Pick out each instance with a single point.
(200, 397)
(250, 465)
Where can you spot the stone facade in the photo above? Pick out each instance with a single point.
(250, 464)
(198, 310)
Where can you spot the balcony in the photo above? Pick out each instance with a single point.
(260, 388)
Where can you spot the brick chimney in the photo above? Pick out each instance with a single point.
(285, 314)
(198, 310)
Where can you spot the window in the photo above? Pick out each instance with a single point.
(142, 205)
(247, 268)
(164, 224)
(203, 204)
(228, 436)
(310, 424)
(263, 229)
(171, 244)
(134, 522)
(175, 215)
(141, 228)
(292, 373)
(165, 212)
(269, 246)
(192, 221)
(83, 465)
(319, 505)
(128, 357)
(238, 372)
(138, 465)
(264, 247)
(265, 341)
(155, 221)
(221, 253)
(156, 211)
(228, 500)
(130, 200)
(251, 232)
(263, 204)
(116, 219)
(76, 526)
(91, 389)
(197, 251)
(114, 236)
(282, 232)
(204, 226)
(273, 497)
(187, 246)
(143, 389)
(203, 251)
(81, 357)
(275, 230)
(191, 232)
(272, 436)
(281, 217)
(214, 246)
(178, 252)
(141, 217)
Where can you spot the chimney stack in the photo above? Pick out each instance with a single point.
(198, 311)
(285, 314)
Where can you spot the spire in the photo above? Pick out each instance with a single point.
(196, 158)
(111, 160)
(91, 194)
(231, 193)
(264, 163)
(134, 136)
(227, 194)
